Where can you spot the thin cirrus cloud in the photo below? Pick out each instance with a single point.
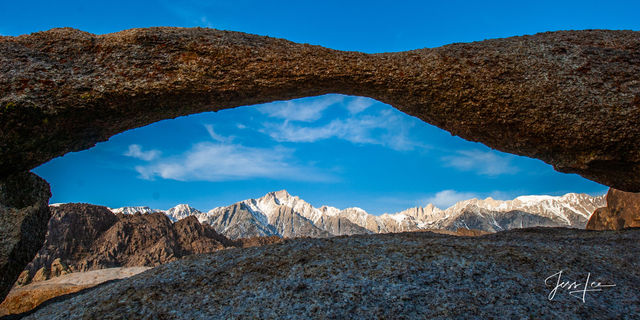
(135, 151)
(487, 163)
(383, 127)
(359, 104)
(447, 198)
(215, 136)
(208, 161)
(307, 110)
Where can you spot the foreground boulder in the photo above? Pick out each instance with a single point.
(24, 212)
(569, 98)
(388, 276)
(622, 211)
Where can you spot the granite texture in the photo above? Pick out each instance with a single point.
(569, 98)
(387, 276)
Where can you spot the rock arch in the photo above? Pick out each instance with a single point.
(569, 98)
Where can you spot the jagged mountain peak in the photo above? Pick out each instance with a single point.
(181, 211)
(182, 206)
(278, 196)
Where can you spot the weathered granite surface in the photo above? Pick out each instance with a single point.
(24, 212)
(570, 98)
(417, 275)
(622, 211)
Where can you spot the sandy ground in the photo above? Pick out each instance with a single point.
(30, 296)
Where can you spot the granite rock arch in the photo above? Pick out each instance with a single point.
(569, 98)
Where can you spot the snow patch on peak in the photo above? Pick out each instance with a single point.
(134, 209)
(535, 198)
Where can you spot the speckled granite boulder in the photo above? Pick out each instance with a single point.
(570, 98)
(24, 213)
(417, 275)
(622, 211)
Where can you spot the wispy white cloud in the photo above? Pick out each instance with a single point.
(215, 136)
(135, 151)
(306, 110)
(488, 163)
(208, 161)
(384, 128)
(359, 104)
(446, 198)
(204, 21)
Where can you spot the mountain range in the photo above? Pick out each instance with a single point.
(281, 214)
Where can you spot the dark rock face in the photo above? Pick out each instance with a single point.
(85, 237)
(570, 98)
(622, 211)
(195, 237)
(24, 212)
(72, 230)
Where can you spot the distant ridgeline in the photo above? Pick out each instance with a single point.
(279, 213)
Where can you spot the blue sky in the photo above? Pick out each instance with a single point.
(336, 150)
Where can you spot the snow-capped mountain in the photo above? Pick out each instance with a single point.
(181, 211)
(279, 213)
(132, 210)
